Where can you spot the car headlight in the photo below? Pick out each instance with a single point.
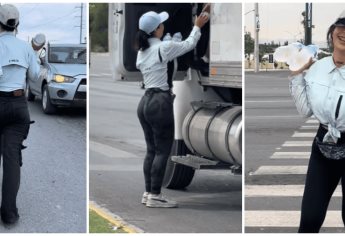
(63, 79)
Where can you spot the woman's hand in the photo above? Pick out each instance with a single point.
(201, 20)
(305, 67)
(207, 8)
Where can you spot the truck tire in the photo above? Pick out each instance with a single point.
(29, 95)
(47, 106)
(178, 176)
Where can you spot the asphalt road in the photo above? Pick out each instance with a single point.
(52, 195)
(277, 144)
(212, 203)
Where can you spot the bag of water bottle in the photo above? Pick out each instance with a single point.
(296, 55)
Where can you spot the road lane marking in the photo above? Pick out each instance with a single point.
(287, 219)
(268, 101)
(290, 155)
(280, 191)
(314, 127)
(272, 117)
(109, 151)
(303, 135)
(280, 170)
(297, 144)
(114, 219)
(312, 121)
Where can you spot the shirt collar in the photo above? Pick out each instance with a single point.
(154, 41)
(331, 66)
(6, 33)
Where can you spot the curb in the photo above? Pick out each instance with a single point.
(114, 219)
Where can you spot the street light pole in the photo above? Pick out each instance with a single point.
(256, 37)
(308, 23)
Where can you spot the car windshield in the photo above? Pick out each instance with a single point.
(67, 55)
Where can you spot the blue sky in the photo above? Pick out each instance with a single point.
(281, 21)
(56, 21)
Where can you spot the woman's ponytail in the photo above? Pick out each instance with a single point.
(141, 40)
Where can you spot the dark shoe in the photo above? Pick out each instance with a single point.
(10, 218)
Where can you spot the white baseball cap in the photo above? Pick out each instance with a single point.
(9, 15)
(151, 20)
(39, 40)
(341, 20)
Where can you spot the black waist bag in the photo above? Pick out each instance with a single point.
(331, 150)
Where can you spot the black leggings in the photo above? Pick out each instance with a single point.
(323, 176)
(155, 112)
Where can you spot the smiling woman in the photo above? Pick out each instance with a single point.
(320, 93)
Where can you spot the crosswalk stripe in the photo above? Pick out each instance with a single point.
(303, 135)
(314, 127)
(290, 155)
(286, 219)
(280, 170)
(297, 144)
(312, 121)
(109, 151)
(280, 191)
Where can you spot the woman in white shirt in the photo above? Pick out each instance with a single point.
(155, 110)
(320, 92)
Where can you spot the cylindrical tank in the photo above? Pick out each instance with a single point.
(215, 133)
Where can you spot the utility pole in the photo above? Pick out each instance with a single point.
(81, 22)
(308, 24)
(256, 37)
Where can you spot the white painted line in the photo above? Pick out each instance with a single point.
(280, 170)
(309, 127)
(312, 122)
(290, 155)
(287, 219)
(268, 101)
(272, 117)
(303, 135)
(109, 151)
(297, 144)
(280, 191)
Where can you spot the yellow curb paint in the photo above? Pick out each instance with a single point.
(117, 222)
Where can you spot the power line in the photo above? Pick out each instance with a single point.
(53, 20)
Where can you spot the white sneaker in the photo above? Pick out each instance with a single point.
(158, 200)
(144, 198)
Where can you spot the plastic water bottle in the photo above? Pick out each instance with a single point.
(284, 53)
(296, 55)
(167, 37)
(177, 37)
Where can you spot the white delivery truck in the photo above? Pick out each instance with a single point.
(208, 104)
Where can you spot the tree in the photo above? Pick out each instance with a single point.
(248, 43)
(98, 21)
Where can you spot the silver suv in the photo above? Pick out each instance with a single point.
(62, 80)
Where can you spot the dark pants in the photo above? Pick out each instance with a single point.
(155, 112)
(14, 128)
(323, 176)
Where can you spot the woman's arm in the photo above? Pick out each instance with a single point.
(171, 49)
(298, 90)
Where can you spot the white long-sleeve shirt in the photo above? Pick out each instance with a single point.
(148, 62)
(17, 61)
(321, 91)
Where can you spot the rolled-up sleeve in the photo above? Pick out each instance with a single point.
(171, 49)
(298, 90)
(34, 66)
